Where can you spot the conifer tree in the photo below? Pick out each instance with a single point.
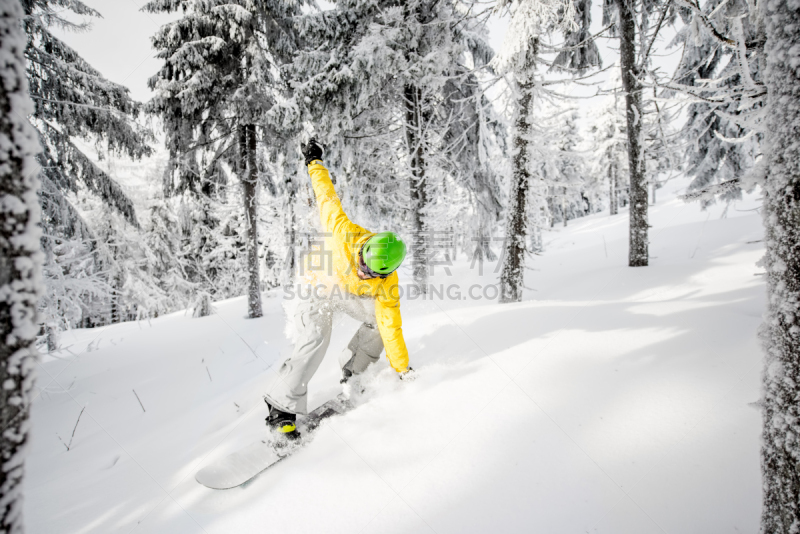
(389, 88)
(529, 21)
(20, 263)
(218, 92)
(750, 102)
(637, 24)
(474, 139)
(563, 174)
(721, 71)
(511, 278)
(73, 101)
(780, 453)
(662, 143)
(610, 148)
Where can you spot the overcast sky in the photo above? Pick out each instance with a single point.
(118, 45)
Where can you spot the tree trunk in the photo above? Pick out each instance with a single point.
(116, 299)
(535, 234)
(51, 334)
(20, 264)
(637, 255)
(513, 274)
(612, 185)
(247, 146)
(290, 265)
(415, 122)
(780, 453)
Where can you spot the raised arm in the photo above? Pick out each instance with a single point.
(331, 213)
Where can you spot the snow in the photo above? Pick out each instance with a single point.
(611, 399)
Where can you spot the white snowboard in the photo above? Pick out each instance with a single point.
(242, 465)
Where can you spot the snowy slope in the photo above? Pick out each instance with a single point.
(611, 400)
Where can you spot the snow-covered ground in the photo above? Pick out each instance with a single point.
(612, 399)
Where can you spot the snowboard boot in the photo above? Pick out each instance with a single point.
(346, 374)
(282, 423)
(351, 384)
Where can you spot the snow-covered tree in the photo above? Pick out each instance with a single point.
(73, 101)
(740, 66)
(662, 143)
(392, 89)
(579, 51)
(74, 285)
(563, 171)
(721, 72)
(610, 149)
(524, 71)
(780, 454)
(111, 278)
(521, 58)
(164, 259)
(218, 92)
(20, 262)
(476, 141)
(638, 24)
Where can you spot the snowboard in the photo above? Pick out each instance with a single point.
(243, 465)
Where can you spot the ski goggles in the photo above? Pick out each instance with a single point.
(366, 270)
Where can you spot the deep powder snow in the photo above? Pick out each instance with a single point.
(612, 399)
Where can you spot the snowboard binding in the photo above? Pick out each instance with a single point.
(284, 424)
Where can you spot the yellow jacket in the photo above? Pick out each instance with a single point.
(338, 263)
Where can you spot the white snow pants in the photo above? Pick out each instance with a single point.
(313, 320)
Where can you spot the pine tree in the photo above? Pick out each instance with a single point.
(477, 141)
(721, 72)
(521, 57)
(20, 263)
(563, 172)
(610, 148)
(749, 102)
(638, 24)
(511, 277)
(391, 87)
(579, 51)
(73, 101)
(219, 90)
(164, 260)
(662, 144)
(638, 252)
(780, 453)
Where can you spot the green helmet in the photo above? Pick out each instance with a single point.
(383, 253)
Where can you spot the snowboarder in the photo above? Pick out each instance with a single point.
(358, 279)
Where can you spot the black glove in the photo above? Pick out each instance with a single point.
(312, 150)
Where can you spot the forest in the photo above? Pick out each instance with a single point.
(481, 153)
